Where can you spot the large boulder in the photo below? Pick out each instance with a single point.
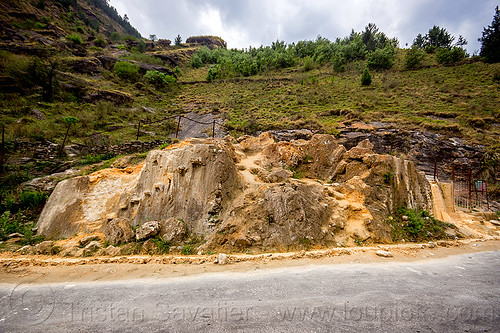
(173, 230)
(115, 97)
(179, 182)
(118, 231)
(147, 230)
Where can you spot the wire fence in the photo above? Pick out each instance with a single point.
(179, 118)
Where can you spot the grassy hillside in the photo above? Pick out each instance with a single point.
(460, 100)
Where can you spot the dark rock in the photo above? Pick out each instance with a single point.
(143, 68)
(209, 41)
(107, 61)
(86, 65)
(115, 97)
(37, 114)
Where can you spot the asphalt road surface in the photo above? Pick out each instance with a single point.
(454, 294)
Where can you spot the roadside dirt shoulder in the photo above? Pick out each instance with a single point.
(45, 269)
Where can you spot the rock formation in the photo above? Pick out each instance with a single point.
(257, 193)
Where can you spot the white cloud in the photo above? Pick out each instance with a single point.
(254, 22)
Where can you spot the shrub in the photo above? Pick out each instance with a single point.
(308, 64)
(162, 245)
(31, 199)
(75, 38)
(366, 78)
(159, 79)
(381, 58)
(413, 58)
(196, 61)
(450, 56)
(100, 41)
(141, 46)
(187, 250)
(126, 70)
(115, 36)
(214, 72)
(417, 226)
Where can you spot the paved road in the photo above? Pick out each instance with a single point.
(454, 294)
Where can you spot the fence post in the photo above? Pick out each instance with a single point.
(138, 130)
(469, 185)
(213, 129)
(64, 141)
(2, 147)
(178, 125)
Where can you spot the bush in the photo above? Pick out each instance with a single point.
(187, 250)
(126, 70)
(308, 64)
(214, 72)
(366, 78)
(413, 58)
(31, 199)
(75, 38)
(100, 41)
(159, 79)
(450, 56)
(417, 226)
(381, 58)
(115, 36)
(196, 61)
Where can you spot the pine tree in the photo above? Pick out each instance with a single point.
(178, 40)
(366, 78)
(490, 42)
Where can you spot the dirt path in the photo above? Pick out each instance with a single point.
(45, 269)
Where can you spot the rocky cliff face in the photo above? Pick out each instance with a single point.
(250, 193)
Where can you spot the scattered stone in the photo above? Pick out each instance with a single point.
(45, 247)
(495, 222)
(15, 235)
(91, 248)
(88, 239)
(404, 218)
(149, 247)
(118, 231)
(432, 245)
(111, 251)
(279, 176)
(385, 254)
(221, 259)
(37, 114)
(27, 249)
(147, 230)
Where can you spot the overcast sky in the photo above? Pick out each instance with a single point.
(243, 23)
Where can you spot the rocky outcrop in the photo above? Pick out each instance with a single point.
(209, 41)
(115, 97)
(257, 193)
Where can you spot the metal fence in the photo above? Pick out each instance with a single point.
(469, 194)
